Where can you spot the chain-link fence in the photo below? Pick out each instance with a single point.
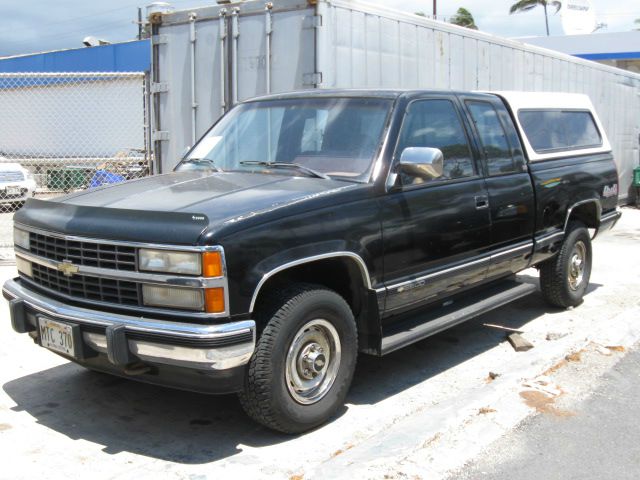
(63, 132)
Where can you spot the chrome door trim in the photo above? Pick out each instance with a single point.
(548, 238)
(488, 258)
(429, 276)
(526, 246)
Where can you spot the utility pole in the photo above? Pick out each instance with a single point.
(435, 9)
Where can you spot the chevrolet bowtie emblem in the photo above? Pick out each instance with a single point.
(67, 268)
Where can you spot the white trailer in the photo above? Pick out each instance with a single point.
(207, 59)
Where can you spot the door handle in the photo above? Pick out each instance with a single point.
(482, 201)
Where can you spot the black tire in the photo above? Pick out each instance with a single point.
(559, 288)
(267, 396)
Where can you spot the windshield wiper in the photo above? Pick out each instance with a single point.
(207, 161)
(297, 166)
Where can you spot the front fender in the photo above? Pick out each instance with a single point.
(293, 257)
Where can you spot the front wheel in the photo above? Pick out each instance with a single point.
(304, 361)
(564, 278)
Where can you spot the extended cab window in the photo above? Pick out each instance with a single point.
(554, 130)
(497, 150)
(436, 124)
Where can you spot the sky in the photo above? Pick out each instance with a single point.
(37, 25)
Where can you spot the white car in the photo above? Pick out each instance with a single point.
(16, 183)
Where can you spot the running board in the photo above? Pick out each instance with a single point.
(425, 324)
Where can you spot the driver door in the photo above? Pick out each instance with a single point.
(436, 231)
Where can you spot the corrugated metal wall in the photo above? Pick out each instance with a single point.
(214, 37)
(349, 44)
(366, 46)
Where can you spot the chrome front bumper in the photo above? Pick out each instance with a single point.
(125, 338)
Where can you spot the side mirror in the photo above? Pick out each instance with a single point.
(423, 162)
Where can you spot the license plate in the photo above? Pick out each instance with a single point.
(13, 190)
(56, 336)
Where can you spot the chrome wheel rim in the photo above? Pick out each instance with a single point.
(576, 265)
(312, 361)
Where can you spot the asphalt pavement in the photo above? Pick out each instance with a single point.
(595, 438)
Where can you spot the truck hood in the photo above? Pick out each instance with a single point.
(179, 205)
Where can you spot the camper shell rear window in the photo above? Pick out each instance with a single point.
(557, 130)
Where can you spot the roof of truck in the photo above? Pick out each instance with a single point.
(520, 98)
(359, 92)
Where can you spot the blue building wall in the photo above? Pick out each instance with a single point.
(132, 56)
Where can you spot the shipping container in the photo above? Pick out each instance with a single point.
(207, 59)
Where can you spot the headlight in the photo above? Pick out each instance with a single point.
(21, 238)
(188, 263)
(159, 296)
(24, 266)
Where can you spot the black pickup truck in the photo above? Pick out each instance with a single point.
(304, 228)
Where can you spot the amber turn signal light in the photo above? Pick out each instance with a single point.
(212, 264)
(214, 300)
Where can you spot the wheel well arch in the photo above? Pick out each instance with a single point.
(322, 265)
(586, 211)
(345, 273)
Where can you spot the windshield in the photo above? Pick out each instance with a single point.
(330, 136)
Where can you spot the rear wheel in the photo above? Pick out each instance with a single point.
(304, 361)
(564, 278)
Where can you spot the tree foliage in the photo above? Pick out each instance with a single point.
(463, 18)
(526, 5)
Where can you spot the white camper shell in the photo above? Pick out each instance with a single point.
(567, 121)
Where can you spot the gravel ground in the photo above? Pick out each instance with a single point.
(421, 412)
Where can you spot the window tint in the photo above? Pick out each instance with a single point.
(435, 123)
(549, 130)
(494, 139)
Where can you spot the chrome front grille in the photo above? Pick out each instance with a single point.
(105, 272)
(90, 288)
(91, 254)
(118, 257)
